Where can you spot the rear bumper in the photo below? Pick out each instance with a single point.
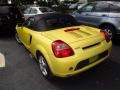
(84, 68)
(79, 63)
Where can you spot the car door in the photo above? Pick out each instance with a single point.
(92, 14)
(83, 15)
(26, 32)
(100, 14)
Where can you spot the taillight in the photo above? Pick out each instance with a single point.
(61, 49)
(105, 35)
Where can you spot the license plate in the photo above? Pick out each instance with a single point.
(93, 59)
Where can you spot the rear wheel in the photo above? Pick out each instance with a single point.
(44, 68)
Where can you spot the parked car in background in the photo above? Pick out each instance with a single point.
(10, 15)
(74, 6)
(34, 10)
(81, 5)
(63, 47)
(102, 14)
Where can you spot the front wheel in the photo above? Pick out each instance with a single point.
(17, 38)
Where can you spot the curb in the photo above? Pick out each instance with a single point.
(2, 60)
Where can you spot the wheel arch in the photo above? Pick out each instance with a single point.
(40, 50)
(46, 56)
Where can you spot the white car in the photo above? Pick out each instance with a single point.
(34, 10)
(81, 5)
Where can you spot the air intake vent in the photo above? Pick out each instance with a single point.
(82, 64)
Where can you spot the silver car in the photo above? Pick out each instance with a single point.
(102, 14)
(34, 10)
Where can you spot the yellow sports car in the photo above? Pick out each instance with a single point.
(62, 46)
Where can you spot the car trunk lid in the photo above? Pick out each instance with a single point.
(72, 34)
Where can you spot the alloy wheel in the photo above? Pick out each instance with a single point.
(43, 65)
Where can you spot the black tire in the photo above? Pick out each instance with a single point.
(110, 30)
(44, 68)
(17, 38)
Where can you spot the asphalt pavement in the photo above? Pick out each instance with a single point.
(22, 72)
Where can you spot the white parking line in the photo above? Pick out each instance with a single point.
(2, 60)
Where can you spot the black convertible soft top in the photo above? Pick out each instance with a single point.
(52, 15)
(50, 21)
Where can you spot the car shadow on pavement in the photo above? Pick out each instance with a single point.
(104, 76)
